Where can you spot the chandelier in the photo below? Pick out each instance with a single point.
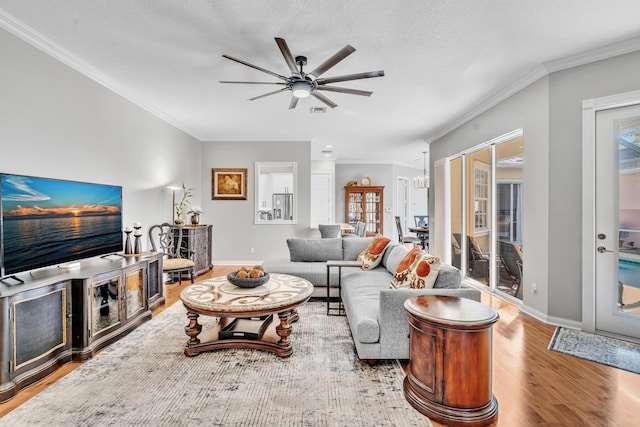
(423, 180)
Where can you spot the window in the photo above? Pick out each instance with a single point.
(481, 197)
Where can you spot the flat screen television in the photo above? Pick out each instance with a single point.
(45, 222)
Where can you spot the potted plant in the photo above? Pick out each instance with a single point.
(184, 204)
(195, 212)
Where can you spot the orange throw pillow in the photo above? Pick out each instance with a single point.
(417, 270)
(372, 256)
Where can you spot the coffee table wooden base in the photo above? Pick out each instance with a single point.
(274, 339)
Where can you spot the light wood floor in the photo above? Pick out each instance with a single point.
(534, 386)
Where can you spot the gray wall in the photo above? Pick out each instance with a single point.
(567, 90)
(57, 123)
(380, 174)
(549, 112)
(234, 233)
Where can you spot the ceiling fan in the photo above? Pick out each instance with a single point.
(303, 84)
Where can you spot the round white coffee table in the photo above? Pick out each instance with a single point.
(217, 297)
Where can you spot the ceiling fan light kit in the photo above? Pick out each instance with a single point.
(302, 84)
(301, 89)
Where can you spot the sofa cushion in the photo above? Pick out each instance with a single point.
(313, 250)
(371, 257)
(449, 277)
(315, 272)
(361, 297)
(417, 270)
(392, 257)
(353, 246)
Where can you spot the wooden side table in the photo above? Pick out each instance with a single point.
(449, 374)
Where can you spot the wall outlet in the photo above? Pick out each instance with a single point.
(534, 288)
(252, 250)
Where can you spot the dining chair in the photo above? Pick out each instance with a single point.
(405, 239)
(421, 220)
(329, 231)
(361, 229)
(168, 240)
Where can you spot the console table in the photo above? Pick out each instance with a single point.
(58, 315)
(449, 373)
(339, 307)
(196, 240)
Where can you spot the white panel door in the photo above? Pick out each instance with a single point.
(321, 209)
(403, 208)
(617, 220)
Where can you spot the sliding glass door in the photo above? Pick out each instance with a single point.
(486, 196)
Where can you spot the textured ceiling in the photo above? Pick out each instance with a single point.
(442, 60)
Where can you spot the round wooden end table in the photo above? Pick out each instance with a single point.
(449, 373)
(217, 297)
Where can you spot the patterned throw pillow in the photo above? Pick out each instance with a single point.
(372, 256)
(418, 270)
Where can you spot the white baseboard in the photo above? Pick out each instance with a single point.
(550, 320)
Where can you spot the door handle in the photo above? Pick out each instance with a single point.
(602, 249)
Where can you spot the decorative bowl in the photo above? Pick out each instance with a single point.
(248, 282)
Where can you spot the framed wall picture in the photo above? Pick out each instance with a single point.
(229, 184)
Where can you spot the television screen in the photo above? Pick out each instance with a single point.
(49, 221)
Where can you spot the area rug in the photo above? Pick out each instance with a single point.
(145, 380)
(597, 348)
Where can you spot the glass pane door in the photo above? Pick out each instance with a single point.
(479, 215)
(486, 199)
(617, 212)
(455, 179)
(510, 244)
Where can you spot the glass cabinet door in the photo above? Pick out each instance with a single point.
(134, 282)
(105, 304)
(364, 203)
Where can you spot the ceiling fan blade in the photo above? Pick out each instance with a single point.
(293, 103)
(324, 99)
(337, 57)
(347, 77)
(268, 94)
(253, 83)
(345, 90)
(288, 57)
(255, 67)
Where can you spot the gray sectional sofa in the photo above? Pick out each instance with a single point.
(377, 318)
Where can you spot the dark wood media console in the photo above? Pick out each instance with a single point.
(58, 315)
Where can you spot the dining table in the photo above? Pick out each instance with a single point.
(346, 228)
(422, 233)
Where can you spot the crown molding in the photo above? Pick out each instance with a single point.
(593, 55)
(378, 162)
(39, 41)
(582, 58)
(532, 76)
